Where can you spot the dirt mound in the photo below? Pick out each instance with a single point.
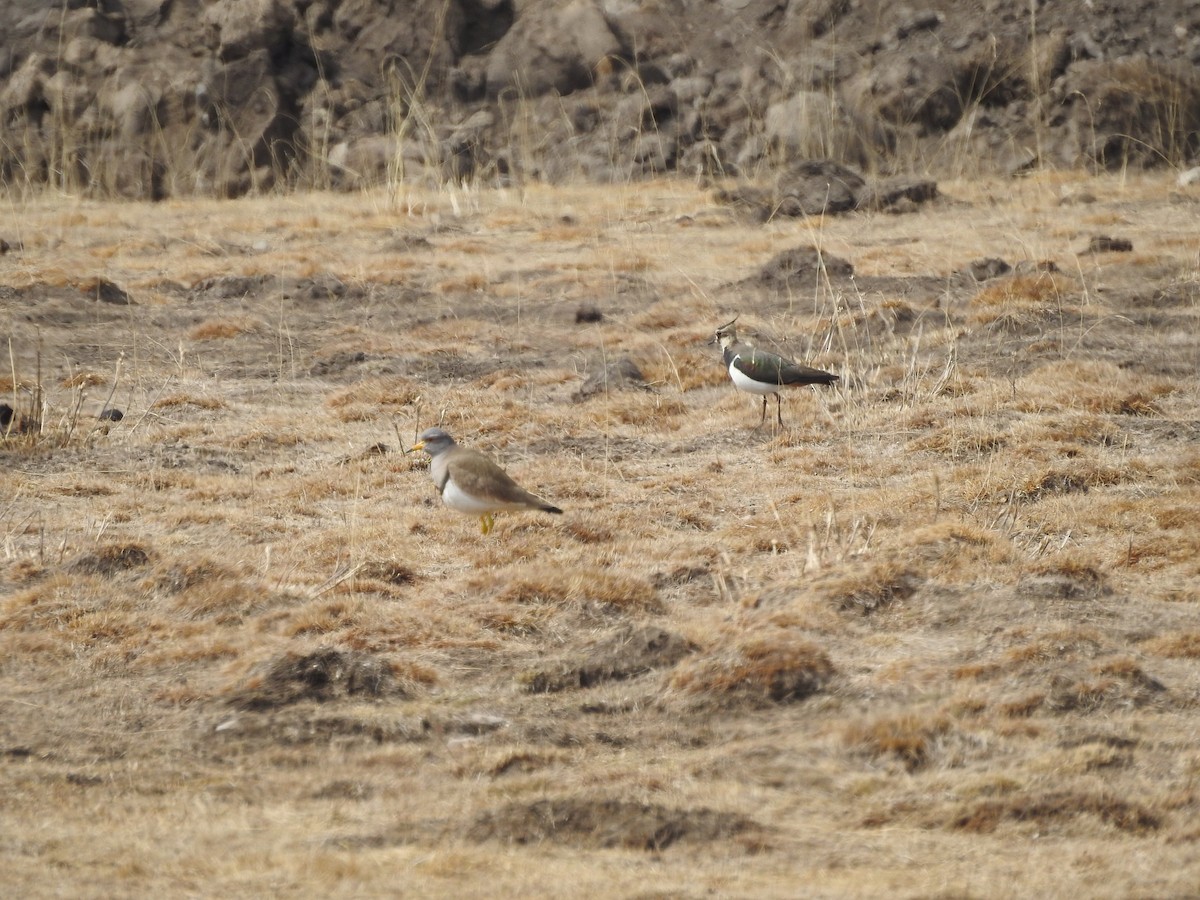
(621, 375)
(773, 667)
(1068, 671)
(321, 676)
(606, 823)
(798, 263)
(165, 97)
(986, 816)
(627, 652)
(112, 560)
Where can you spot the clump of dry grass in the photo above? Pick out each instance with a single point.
(78, 611)
(1097, 387)
(370, 398)
(79, 380)
(1080, 475)
(868, 586)
(1067, 429)
(324, 674)
(1041, 809)
(1068, 671)
(176, 400)
(1080, 569)
(1041, 289)
(328, 615)
(389, 578)
(536, 584)
(1021, 302)
(1182, 645)
(609, 823)
(112, 559)
(910, 738)
(220, 597)
(778, 667)
(962, 440)
(224, 327)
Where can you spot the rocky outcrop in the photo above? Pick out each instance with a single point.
(152, 98)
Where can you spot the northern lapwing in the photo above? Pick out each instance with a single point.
(761, 372)
(471, 483)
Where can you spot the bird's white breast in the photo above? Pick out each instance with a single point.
(454, 498)
(744, 382)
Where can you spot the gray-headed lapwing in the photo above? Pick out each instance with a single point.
(471, 483)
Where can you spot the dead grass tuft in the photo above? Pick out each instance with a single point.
(1106, 686)
(224, 598)
(1157, 551)
(1100, 388)
(586, 823)
(625, 652)
(1184, 645)
(647, 409)
(373, 397)
(781, 667)
(324, 674)
(587, 532)
(1033, 290)
(909, 738)
(573, 585)
(1076, 477)
(523, 762)
(325, 616)
(1022, 706)
(957, 549)
(82, 380)
(1045, 808)
(1171, 517)
(961, 441)
(1020, 304)
(111, 560)
(1138, 403)
(225, 327)
(379, 577)
(867, 587)
(171, 401)
(1082, 569)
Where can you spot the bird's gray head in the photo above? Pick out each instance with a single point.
(726, 335)
(433, 441)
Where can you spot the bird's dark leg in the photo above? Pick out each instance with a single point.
(778, 409)
(763, 421)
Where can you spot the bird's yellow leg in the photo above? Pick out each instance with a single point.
(486, 523)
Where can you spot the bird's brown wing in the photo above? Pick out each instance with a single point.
(478, 476)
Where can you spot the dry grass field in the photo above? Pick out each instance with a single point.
(938, 638)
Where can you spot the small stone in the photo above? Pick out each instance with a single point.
(110, 292)
(588, 313)
(1102, 243)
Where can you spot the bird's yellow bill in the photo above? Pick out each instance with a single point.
(419, 445)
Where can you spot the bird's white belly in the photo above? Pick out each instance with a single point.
(464, 503)
(745, 383)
